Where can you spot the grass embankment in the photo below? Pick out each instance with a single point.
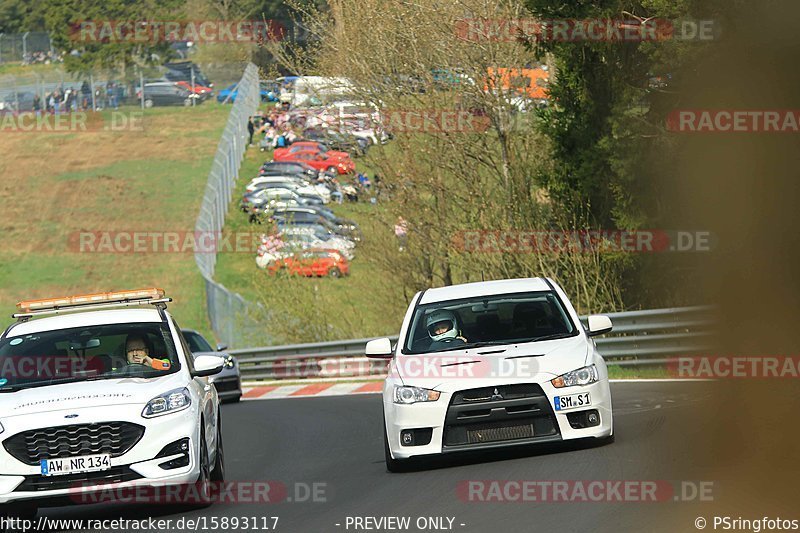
(53, 185)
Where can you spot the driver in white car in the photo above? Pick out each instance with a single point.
(138, 353)
(442, 327)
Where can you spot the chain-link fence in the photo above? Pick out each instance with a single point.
(55, 89)
(30, 48)
(234, 320)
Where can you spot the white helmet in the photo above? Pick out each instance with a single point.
(439, 318)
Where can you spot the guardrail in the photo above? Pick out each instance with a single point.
(639, 338)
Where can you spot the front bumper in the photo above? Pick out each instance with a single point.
(138, 466)
(228, 387)
(479, 425)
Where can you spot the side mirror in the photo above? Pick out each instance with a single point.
(599, 325)
(207, 365)
(221, 347)
(379, 349)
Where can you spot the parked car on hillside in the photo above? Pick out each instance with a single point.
(344, 142)
(320, 161)
(318, 237)
(288, 182)
(312, 263)
(307, 215)
(308, 146)
(289, 167)
(164, 93)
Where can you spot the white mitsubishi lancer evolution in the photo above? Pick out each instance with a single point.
(492, 364)
(102, 395)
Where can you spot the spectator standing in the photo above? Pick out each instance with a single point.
(251, 129)
(401, 232)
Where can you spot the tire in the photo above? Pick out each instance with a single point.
(148, 103)
(202, 484)
(393, 465)
(217, 473)
(335, 273)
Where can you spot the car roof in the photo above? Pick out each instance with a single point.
(79, 319)
(297, 209)
(484, 288)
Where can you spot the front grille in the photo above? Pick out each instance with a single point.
(508, 413)
(113, 438)
(117, 474)
(227, 385)
(505, 392)
(476, 435)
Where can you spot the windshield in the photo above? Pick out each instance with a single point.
(488, 320)
(196, 342)
(142, 350)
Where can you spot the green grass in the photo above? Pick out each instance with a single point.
(638, 372)
(58, 184)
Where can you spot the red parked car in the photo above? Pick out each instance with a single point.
(329, 161)
(308, 146)
(198, 89)
(313, 262)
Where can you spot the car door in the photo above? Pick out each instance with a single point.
(205, 390)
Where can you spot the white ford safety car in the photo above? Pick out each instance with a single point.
(103, 394)
(492, 364)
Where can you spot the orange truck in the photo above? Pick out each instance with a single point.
(529, 82)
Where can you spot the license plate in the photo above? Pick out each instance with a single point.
(562, 403)
(75, 465)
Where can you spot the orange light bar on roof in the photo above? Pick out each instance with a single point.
(88, 299)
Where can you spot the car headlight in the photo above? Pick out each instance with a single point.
(409, 395)
(582, 376)
(169, 402)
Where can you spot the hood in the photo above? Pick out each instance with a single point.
(100, 393)
(456, 370)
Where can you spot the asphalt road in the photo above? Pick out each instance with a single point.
(336, 442)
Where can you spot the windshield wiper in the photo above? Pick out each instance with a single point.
(552, 336)
(470, 345)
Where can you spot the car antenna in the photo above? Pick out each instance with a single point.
(483, 278)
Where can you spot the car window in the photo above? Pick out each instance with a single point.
(500, 319)
(196, 342)
(86, 353)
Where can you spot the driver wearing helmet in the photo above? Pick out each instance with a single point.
(443, 327)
